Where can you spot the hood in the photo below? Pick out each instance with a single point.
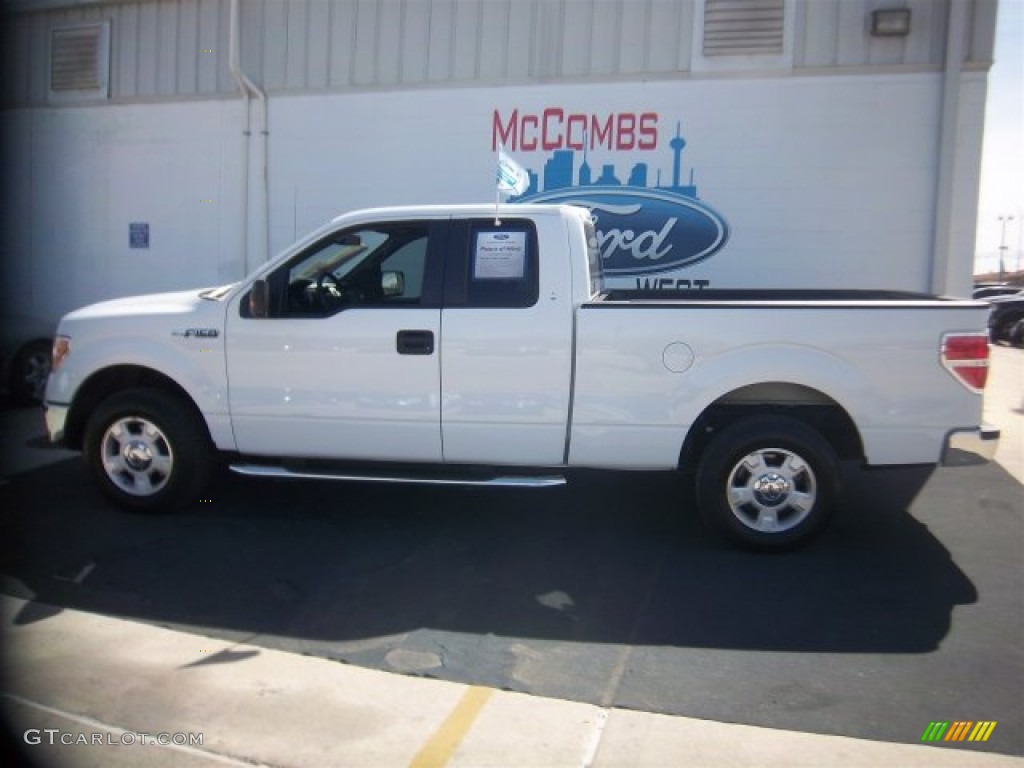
(181, 313)
(162, 304)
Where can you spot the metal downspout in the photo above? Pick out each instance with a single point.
(234, 66)
(250, 89)
(956, 46)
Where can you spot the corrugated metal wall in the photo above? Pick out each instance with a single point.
(178, 49)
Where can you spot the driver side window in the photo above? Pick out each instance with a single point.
(372, 266)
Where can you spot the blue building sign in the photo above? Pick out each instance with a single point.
(643, 228)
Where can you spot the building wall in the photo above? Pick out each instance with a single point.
(78, 178)
(822, 159)
(174, 49)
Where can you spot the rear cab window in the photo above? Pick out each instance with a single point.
(499, 264)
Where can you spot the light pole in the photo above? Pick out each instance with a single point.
(1002, 248)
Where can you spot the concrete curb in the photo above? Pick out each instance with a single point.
(108, 685)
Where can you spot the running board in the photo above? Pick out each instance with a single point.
(506, 481)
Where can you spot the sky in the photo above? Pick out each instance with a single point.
(1002, 163)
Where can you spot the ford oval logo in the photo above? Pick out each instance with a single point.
(642, 231)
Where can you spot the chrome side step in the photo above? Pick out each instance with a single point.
(503, 481)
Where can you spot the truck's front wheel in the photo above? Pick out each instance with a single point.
(768, 483)
(147, 450)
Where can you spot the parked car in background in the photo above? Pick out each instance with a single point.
(1017, 334)
(26, 345)
(991, 290)
(1004, 318)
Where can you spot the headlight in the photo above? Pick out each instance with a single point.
(61, 349)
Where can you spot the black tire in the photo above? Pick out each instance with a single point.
(1016, 337)
(1004, 330)
(768, 483)
(148, 451)
(29, 370)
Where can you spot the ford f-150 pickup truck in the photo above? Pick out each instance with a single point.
(441, 344)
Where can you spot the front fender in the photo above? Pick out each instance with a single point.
(196, 366)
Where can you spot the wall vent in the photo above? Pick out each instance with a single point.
(80, 60)
(744, 27)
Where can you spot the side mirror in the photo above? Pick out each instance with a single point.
(392, 284)
(259, 299)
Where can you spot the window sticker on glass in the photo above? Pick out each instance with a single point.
(500, 256)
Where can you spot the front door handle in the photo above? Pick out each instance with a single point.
(415, 342)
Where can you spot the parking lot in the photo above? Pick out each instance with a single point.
(608, 591)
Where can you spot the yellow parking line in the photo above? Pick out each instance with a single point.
(440, 747)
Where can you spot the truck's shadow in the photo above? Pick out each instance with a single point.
(610, 559)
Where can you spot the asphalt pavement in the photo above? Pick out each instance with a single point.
(338, 624)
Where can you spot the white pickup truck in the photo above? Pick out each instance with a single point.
(440, 344)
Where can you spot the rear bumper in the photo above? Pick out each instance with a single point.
(979, 442)
(56, 418)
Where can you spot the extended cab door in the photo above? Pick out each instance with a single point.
(346, 365)
(507, 344)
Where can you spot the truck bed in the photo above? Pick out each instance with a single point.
(649, 364)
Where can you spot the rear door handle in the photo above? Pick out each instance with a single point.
(415, 342)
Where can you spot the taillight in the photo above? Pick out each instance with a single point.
(965, 355)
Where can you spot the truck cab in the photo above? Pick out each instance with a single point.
(337, 350)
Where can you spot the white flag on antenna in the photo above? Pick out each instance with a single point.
(512, 177)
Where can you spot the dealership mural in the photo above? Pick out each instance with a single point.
(645, 226)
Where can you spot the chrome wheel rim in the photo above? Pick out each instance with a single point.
(771, 490)
(137, 456)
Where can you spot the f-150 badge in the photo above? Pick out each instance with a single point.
(197, 333)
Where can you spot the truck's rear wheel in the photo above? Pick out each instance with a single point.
(768, 483)
(147, 450)
(1016, 336)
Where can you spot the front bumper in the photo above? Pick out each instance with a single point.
(970, 446)
(56, 418)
